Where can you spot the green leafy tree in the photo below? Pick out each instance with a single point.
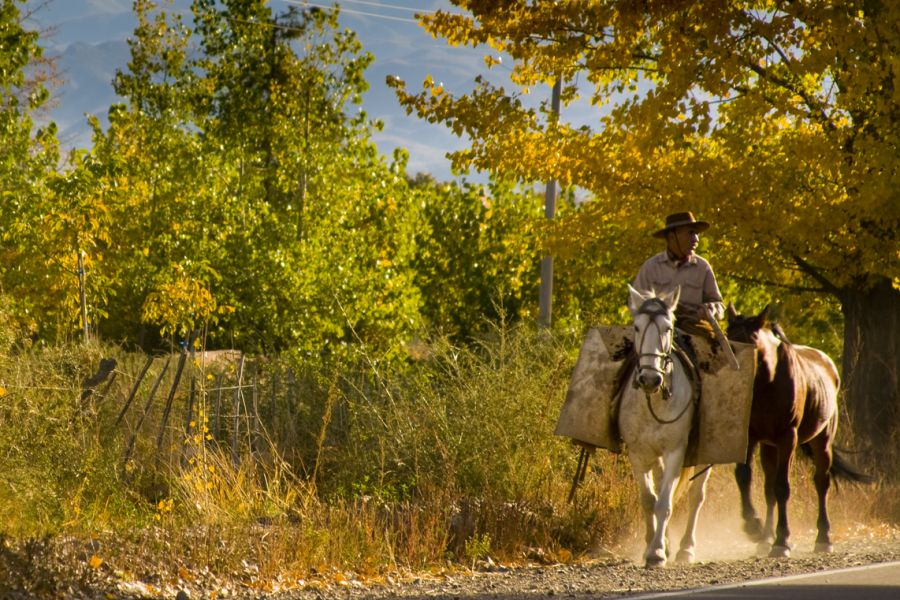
(477, 254)
(326, 224)
(241, 177)
(30, 272)
(153, 175)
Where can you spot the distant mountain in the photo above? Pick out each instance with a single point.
(88, 39)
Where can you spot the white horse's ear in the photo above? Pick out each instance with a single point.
(635, 299)
(671, 298)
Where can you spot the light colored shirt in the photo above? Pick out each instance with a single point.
(694, 276)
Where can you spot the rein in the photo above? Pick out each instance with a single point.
(695, 391)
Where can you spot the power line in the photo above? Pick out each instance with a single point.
(390, 6)
(344, 10)
(419, 11)
(351, 12)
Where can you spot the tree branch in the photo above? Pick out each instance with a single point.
(777, 284)
(816, 112)
(816, 274)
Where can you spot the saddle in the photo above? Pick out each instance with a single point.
(684, 352)
(589, 413)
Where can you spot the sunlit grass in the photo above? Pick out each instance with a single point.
(353, 465)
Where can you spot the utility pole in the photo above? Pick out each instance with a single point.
(83, 295)
(545, 311)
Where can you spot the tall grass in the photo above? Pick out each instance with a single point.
(347, 465)
(350, 467)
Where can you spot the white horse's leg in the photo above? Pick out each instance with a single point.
(643, 475)
(696, 495)
(657, 478)
(656, 551)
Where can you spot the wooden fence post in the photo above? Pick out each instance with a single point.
(190, 407)
(130, 446)
(272, 409)
(162, 427)
(134, 388)
(254, 440)
(235, 433)
(216, 429)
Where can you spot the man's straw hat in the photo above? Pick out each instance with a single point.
(681, 219)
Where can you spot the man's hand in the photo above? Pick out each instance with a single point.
(716, 310)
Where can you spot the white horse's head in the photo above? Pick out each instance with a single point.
(654, 335)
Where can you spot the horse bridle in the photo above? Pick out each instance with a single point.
(654, 307)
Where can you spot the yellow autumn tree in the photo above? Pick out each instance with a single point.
(779, 120)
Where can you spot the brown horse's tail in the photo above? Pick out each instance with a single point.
(842, 467)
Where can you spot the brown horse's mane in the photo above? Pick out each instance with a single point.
(742, 328)
(779, 332)
(747, 329)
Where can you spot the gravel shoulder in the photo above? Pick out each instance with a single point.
(64, 569)
(615, 575)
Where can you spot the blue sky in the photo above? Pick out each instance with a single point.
(89, 39)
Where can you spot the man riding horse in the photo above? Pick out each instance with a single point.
(616, 363)
(678, 266)
(700, 304)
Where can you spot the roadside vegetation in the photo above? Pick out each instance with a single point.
(356, 467)
(308, 475)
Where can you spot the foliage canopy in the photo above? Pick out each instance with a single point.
(237, 194)
(785, 110)
(776, 120)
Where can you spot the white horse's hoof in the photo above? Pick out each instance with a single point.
(656, 559)
(780, 552)
(685, 557)
(824, 547)
(763, 549)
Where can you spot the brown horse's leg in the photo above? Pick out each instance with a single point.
(821, 454)
(768, 456)
(786, 448)
(743, 474)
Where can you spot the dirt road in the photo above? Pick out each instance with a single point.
(63, 570)
(617, 575)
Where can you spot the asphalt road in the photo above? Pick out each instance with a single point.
(871, 582)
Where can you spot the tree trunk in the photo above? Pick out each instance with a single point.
(871, 370)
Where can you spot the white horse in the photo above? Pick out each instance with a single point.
(655, 417)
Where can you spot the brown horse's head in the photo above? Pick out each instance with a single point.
(745, 329)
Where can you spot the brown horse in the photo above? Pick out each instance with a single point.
(794, 405)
